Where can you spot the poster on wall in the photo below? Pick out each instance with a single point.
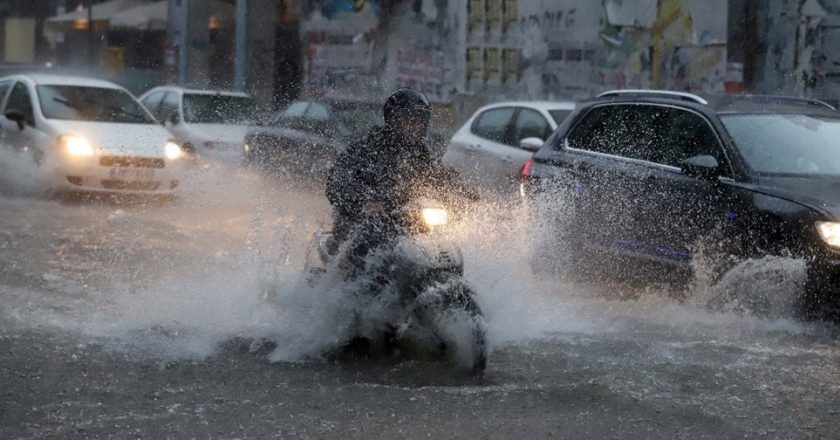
(560, 21)
(475, 63)
(338, 65)
(510, 65)
(492, 64)
(475, 15)
(510, 15)
(424, 70)
(699, 69)
(493, 19)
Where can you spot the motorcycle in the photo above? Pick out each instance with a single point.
(407, 278)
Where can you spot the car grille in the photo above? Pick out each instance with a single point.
(131, 161)
(130, 185)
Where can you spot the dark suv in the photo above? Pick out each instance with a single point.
(651, 179)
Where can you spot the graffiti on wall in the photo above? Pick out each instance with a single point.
(424, 70)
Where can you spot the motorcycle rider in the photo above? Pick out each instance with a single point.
(383, 171)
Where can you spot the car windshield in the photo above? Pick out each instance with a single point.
(359, 119)
(787, 144)
(203, 108)
(98, 104)
(347, 119)
(559, 115)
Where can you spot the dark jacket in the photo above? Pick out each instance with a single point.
(384, 168)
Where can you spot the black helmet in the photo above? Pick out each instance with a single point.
(407, 103)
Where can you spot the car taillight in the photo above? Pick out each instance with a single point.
(526, 171)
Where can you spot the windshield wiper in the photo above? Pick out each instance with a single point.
(124, 112)
(66, 102)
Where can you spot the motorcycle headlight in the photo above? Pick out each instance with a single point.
(76, 145)
(172, 150)
(435, 216)
(830, 233)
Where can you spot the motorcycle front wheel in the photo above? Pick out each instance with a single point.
(457, 320)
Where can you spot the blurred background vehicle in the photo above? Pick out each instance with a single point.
(491, 148)
(306, 137)
(210, 122)
(88, 134)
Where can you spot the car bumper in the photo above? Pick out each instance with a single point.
(118, 174)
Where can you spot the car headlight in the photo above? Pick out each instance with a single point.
(76, 145)
(435, 216)
(246, 147)
(172, 150)
(830, 233)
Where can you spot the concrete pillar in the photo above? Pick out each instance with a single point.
(188, 34)
(241, 46)
(198, 36)
(261, 26)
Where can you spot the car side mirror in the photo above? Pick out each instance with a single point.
(16, 116)
(173, 119)
(702, 166)
(531, 143)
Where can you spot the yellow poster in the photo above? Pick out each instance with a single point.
(475, 14)
(113, 59)
(671, 30)
(494, 14)
(474, 62)
(510, 64)
(492, 63)
(511, 15)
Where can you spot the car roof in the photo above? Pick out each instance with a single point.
(331, 100)
(193, 91)
(541, 105)
(744, 104)
(64, 80)
(724, 104)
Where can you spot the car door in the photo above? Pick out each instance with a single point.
(606, 160)
(684, 213)
(152, 103)
(170, 115)
(489, 133)
(508, 160)
(20, 100)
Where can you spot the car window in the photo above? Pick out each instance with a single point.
(559, 115)
(685, 135)
(297, 109)
(168, 107)
(787, 144)
(358, 118)
(205, 108)
(95, 104)
(652, 133)
(21, 100)
(152, 101)
(530, 123)
(620, 130)
(493, 125)
(292, 114)
(317, 112)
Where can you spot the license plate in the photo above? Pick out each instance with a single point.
(132, 173)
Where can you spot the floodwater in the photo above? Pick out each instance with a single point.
(191, 319)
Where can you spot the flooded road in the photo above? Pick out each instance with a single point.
(189, 319)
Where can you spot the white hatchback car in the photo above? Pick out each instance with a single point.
(491, 148)
(88, 134)
(211, 122)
